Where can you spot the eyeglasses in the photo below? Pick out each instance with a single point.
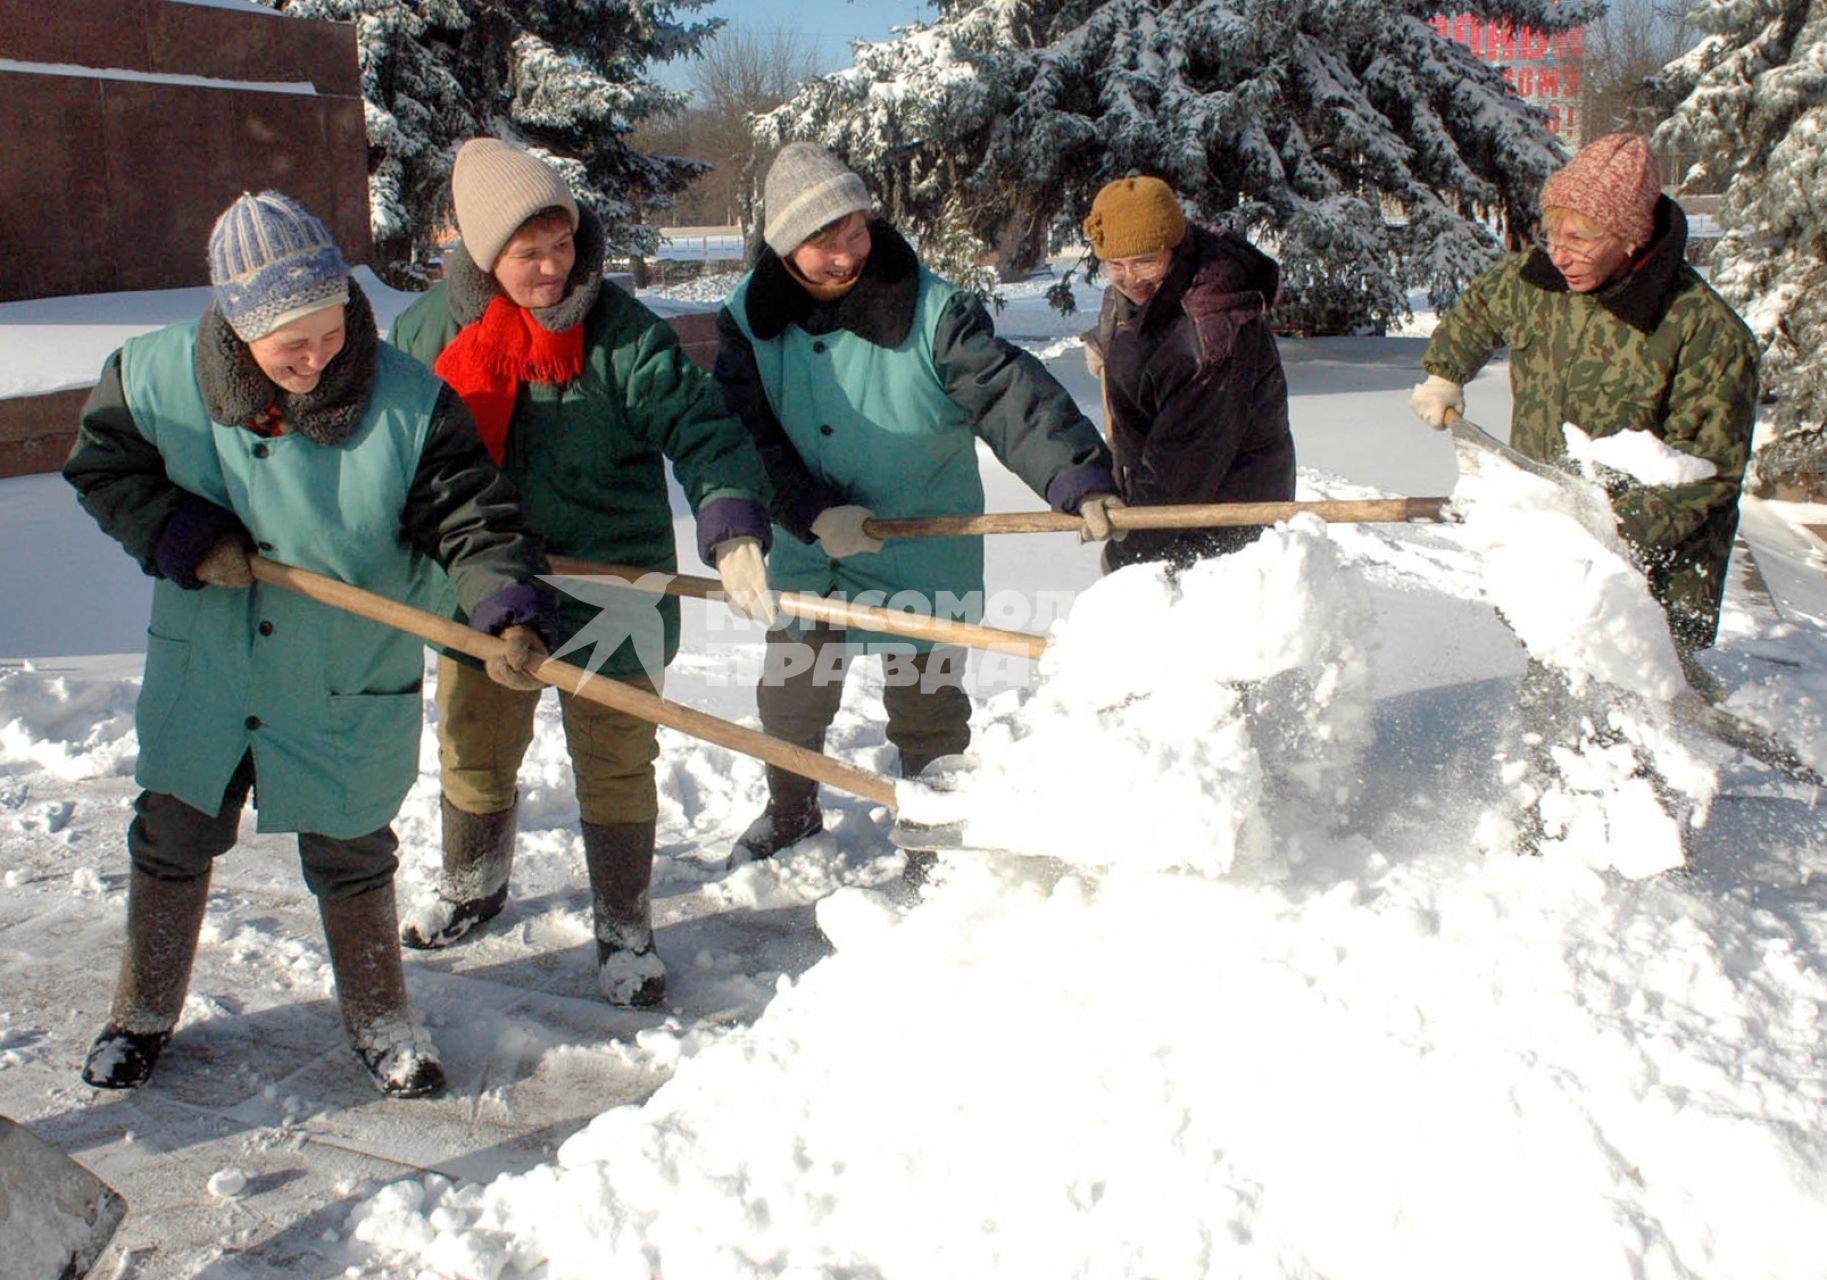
(1581, 250)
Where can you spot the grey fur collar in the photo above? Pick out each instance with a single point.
(469, 289)
(234, 388)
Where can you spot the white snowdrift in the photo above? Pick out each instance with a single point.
(1330, 1060)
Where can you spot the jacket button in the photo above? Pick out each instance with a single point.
(253, 722)
(819, 347)
(266, 546)
(260, 451)
(266, 628)
(827, 430)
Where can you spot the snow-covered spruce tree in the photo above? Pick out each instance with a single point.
(567, 78)
(1373, 155)
(1753, 102)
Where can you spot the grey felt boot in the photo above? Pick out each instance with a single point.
(619, 858)
(371, 989)
(478, 856)
(163, 919)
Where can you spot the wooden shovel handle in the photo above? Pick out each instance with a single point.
(562, 675)
(1211, 515)
(818, 609)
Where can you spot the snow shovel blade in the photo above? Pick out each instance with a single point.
(55, 1216)
(1475, 449)
(1752, 739)
(941, 775)
(951, 836)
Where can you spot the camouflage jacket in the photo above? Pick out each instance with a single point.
(1655, 351)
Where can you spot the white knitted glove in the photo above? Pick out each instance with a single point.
(1095, 512)
(839, 531)
(1435, 399)
(745, 578)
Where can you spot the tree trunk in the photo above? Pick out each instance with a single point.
(1021, 247)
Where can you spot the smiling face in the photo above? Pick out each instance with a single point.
(295, 355)
(836, 254)
(1586, 254)
(535, 264)
(1138, 276)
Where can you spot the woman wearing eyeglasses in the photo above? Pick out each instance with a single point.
(1611, 330)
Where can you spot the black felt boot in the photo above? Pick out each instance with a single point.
(792, 815)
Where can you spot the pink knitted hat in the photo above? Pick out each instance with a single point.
(1615, 181)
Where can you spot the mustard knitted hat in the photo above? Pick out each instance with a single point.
(1134, 215)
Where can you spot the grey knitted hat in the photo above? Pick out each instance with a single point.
(271, 262)
(496, 187)
(807, 188)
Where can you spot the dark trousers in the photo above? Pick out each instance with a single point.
(802, 685)
(169, 840)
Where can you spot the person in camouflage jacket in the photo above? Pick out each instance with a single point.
(1611, 330)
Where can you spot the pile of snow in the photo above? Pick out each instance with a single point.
(1327, 1060)
(1431, 1068)
(69, 729)
(1168, 706)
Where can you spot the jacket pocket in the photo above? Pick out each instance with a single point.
(162, 689)
(376, 740)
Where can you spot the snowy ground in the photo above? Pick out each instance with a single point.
(1353, 1045)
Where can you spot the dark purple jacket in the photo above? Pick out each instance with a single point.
(1198, 406)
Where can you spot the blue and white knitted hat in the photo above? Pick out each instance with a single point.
(271, 262)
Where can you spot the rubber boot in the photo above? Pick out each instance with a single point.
(163, 919)
(478, 856)
(619, 858)
(792, 815)
(371, 989)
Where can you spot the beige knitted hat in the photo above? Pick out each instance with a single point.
(1134, 215)
(496, 187)
(1616, 182)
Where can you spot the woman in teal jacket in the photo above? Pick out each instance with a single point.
(866, 382)
(582, 395)
(280, 422)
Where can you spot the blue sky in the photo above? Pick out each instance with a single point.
(830, 25)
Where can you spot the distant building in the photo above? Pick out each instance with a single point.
(1543, 68)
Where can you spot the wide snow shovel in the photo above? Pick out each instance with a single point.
(562, 675)
(1211, 515)
(820, 609)
(55, 1216)
(1475, 448)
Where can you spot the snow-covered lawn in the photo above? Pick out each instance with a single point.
(1363, 1042)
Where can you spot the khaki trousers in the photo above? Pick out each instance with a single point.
(484, 730)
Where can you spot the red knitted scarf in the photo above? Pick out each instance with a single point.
(486, 363)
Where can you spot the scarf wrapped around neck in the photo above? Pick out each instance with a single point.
(488, 361)
(502, 346)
